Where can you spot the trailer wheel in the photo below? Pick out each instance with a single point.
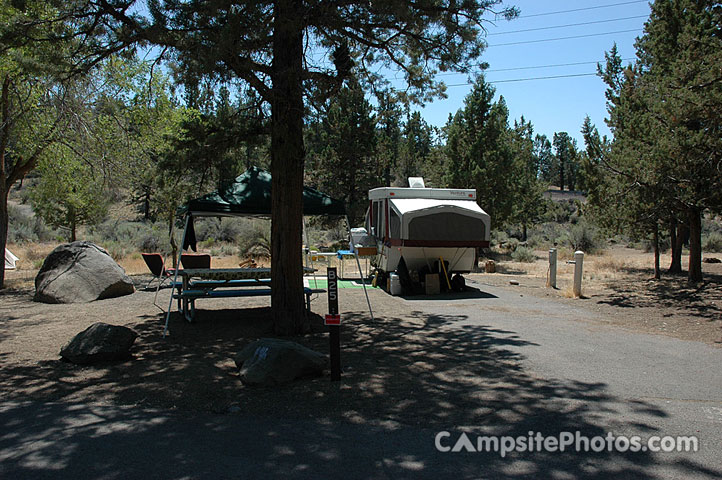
(458, 283)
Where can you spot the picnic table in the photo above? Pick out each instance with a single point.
(225, 283)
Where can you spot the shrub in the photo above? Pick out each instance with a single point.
(229, 230)
(584, 237)
(559, 211)
(255, 240)
(524, 255)
(143, 236)
(712, 243)
(224, 250)
(24, 227)
(150, 243)
(499, 236)
(221, 230)
(648, 244)
(117, 250)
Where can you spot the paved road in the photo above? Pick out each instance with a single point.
(593, 379)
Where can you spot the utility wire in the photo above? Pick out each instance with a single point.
(582, 9)
(533, 67)
(528, 79)
(568, 25)
(561, 38)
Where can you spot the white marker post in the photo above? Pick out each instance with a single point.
(578, 264)
(552, 280)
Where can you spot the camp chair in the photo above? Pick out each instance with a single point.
(156, 265)
(195, 261)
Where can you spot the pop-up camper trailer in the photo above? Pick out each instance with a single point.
(426, 224)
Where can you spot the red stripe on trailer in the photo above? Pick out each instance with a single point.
(396, 242)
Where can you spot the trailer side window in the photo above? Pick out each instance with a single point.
(394, 224)
(375, 220)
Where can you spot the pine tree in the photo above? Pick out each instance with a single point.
(528, 197)
(480, 154)
(415, 148)
(664, 113)
(345, 166)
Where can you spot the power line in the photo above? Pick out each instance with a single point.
(533, 67)
(562, 38)
(582, 9)
(568, 25)
(551, 66)
(551, 77)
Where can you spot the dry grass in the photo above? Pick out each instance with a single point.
(599, 270)
(135, 265)
(32, 255)
(568, 292)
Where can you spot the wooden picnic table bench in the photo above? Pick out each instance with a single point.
(216, 283)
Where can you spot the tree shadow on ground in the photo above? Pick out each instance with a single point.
(404, 379)
(674, 292)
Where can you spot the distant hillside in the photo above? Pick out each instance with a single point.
(557, 195)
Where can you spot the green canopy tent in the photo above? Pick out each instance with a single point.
(248, 195)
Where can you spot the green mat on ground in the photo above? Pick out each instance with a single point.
(323, 283)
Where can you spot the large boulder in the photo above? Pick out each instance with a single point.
(270, 361)
(80, 272)
(99, 342)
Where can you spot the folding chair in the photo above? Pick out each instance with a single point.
(195, 261)
(156, 265)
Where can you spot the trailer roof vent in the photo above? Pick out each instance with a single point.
(416, 182)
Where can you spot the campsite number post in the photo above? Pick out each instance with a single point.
(333, 320)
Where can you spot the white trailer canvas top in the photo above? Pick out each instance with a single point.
(436, 193)
(406, 205)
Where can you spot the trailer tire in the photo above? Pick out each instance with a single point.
(458, 283)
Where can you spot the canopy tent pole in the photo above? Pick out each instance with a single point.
(308, 244)
(307, 253)
(175, 276)
(358, 264)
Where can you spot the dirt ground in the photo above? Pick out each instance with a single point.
(401, 373)
(619, 285)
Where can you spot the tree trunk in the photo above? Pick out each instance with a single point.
(146, 204)
(4, 174)
(695, 245)
(682, 232)
(561, 176)
(3, 226)
(173, 243)
(287, 159)
(675, 266)
(72, 229)
(523, 232)
(657, 273)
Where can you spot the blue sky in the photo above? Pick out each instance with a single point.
(558, 104)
